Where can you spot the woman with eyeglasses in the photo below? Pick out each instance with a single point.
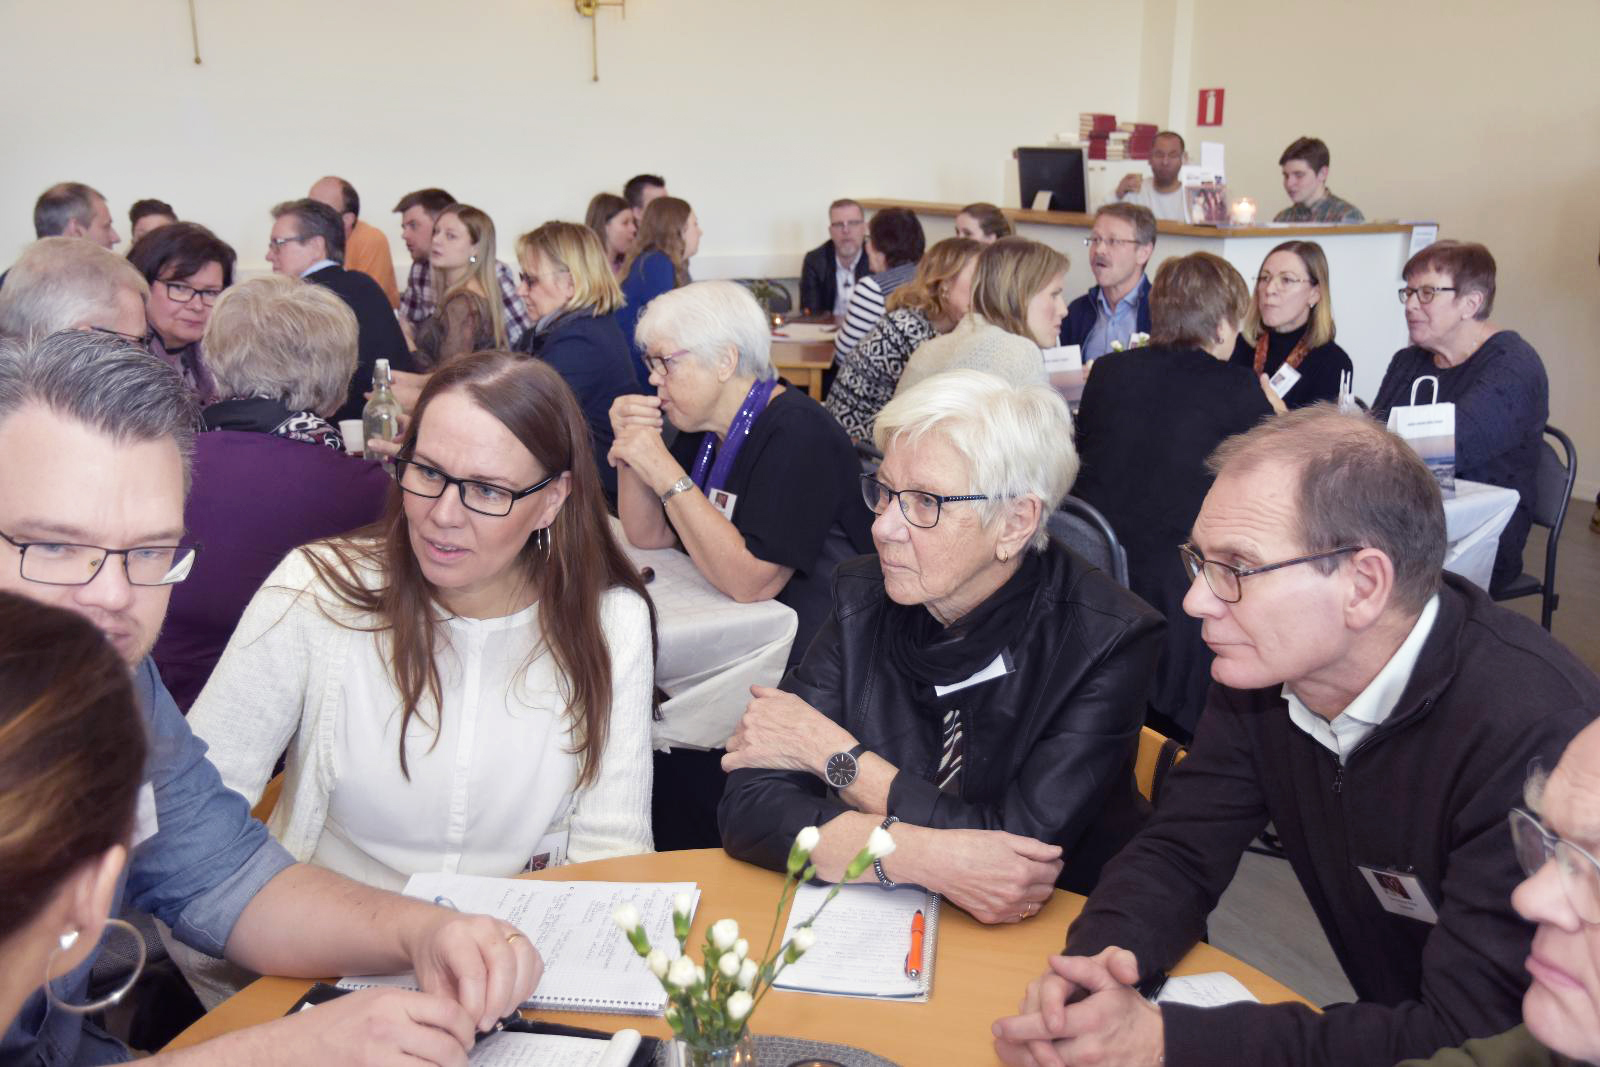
(976, 679)
(187, 267)
(466, 685)
(1290, 324)
(1148, 420)
(1494, 378)
(70, 767)
(574, 296)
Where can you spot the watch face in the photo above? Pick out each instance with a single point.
(841, 770)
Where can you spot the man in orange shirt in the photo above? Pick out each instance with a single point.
(366, 249)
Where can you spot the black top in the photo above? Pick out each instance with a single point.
(378, 332)
(819, 283)
(797, 490)
(1428, 791)
(590, 352)
(1319, 370)
(1148, 420)
(1502, 400)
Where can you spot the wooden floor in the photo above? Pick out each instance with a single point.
(1264, 918)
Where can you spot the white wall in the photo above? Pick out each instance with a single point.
(757, 112)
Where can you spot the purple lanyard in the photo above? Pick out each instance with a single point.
(755, 402)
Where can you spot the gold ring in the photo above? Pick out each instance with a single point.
(515, 935)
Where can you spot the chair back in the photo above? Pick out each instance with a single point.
(1158, 754)
(1080, 526)
(1556, 477)
(269, 798)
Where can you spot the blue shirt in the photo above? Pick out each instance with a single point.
(206, 860)
(649, 277)
(1111, 323)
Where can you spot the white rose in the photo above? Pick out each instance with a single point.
(657, 962)
(739, 1005)
(682, 904)
(879, 843)
(626, 917)
(741, 948)
(807, 839)
(724, 932)
(681, 973)
(728, 964)
(747, 974)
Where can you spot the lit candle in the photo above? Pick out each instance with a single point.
(1244, 211)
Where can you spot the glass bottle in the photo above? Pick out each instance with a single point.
(381, 417)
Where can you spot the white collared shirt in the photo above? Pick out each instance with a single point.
(318, 265)
(844, 280)
(1374, 704)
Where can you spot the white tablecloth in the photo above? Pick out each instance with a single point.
(1473, 519)
(713, 649)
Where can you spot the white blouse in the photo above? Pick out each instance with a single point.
(489, 776)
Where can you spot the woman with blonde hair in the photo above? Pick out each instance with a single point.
(984, 223)
(669, 236)
(569, 286)
(468, 315)
(613, 221)
(1017, 308)
(1290, 324)
(931, 304)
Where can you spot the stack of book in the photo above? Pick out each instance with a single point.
(1094, 129)
(1140, 140)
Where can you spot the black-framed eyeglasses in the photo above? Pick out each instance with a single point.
(662, 365)
(1423, 293)
(128, 337)
(920, 509)
(419, 479)
(1226, 581)
(182, 293)
(1580, 872)
(531, 280)
(276, 243)
(56, 563)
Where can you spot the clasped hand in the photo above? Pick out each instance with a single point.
(637, 443)
(1111, 1026)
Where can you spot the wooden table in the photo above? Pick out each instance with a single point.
(981, 971)
(803, 363)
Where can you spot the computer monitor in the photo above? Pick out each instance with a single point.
(1058, 171)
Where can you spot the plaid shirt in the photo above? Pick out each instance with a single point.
(416, 303)
(1329, 209)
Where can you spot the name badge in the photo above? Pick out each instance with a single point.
(1283, 381)
(1399, 893)
(145, 823)
(723, 501)
(551, 851)
(1001, 667)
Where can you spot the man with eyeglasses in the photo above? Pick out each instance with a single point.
(1380, 714)
(308, 242)
(1120, 243)
(95, 435)
(63, 283)
(830, 270)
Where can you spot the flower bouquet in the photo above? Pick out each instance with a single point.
(1138, 340)
(709, 1003)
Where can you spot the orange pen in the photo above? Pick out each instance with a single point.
(914, 957)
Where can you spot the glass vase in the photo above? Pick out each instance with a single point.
(741, 1053)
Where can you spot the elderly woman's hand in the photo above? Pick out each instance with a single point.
(632, 409)
(779, 731)
(642, 449)
(997, 877)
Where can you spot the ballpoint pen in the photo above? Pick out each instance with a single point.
(914, 957)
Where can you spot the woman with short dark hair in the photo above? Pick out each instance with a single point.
(187, 267)
(894, 245)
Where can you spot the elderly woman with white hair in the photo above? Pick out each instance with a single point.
(978, 689)
(270, 473)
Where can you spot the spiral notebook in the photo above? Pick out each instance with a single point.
(863, 939)
(589, 965)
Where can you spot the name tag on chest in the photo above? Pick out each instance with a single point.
(723, 501)
(1399, 893)
(999, 668)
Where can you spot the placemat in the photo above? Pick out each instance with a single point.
(774, 1051)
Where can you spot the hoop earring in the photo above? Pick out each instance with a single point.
(70, 939)
(542, 537)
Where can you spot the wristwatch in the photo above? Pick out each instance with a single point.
(842, 767)
(682, 485)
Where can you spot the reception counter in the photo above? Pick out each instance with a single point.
(1364, 264)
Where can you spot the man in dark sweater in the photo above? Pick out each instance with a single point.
(1382, 716)
(832, 269)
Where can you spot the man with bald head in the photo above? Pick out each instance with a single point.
(1381, 715)
(366, 249)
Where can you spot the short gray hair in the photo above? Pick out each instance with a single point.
(1016, 440)
(707, 317)
(1359, 484)
(62, 203)
(105, 383)
(62, 282)
(316, 219)
(284, 338)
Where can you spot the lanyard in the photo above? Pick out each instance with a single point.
(755, 402)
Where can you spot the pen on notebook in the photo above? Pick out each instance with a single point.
(914, 957)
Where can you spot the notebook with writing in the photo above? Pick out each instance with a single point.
(863, 941)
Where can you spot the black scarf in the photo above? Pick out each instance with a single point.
(922, 648)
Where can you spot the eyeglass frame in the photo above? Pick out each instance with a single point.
(128, 337)
(22, 561)
(898, 495)
(1186, 552)
(215, 294)
(530, 280)
(401, 463)
(1553, 843)
(662, 365)
(276, 243)
(1264, 280)
(1423, 293)
(1092, 240)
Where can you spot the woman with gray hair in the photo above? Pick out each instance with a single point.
(978, 690)
(281, 352)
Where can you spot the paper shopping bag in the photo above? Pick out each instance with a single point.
(1431, 430)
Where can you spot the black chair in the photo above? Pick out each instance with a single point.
(1081, 527)
(1552, 493)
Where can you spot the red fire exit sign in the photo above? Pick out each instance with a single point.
(1210, 108)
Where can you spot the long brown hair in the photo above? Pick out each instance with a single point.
(582, 563)
(72, 751)
(602, 209)
(480, 227)
(661, 230)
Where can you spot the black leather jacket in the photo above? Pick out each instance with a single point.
(1049, 746)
